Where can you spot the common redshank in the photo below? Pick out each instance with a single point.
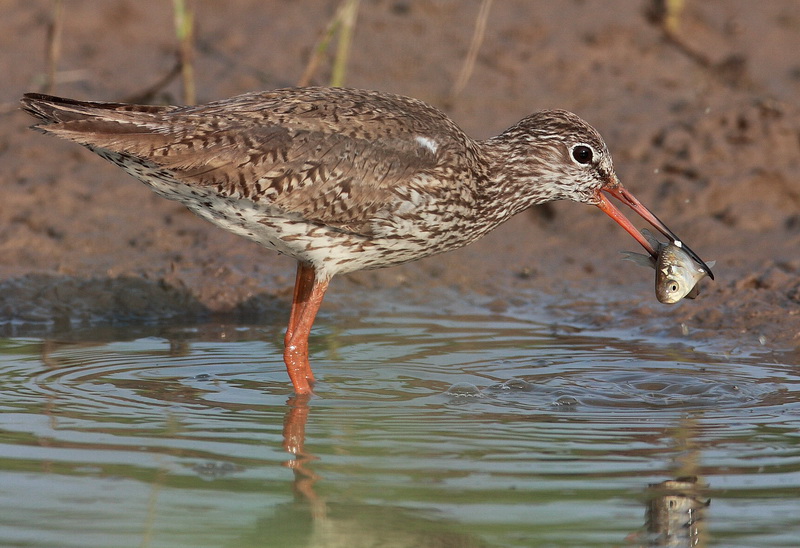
(344, 179)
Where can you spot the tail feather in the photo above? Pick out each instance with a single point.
(53, 110)
(140, 131)
(120, 127)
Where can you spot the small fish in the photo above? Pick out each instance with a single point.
(677, 273)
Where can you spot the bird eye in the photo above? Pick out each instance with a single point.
(582, 154)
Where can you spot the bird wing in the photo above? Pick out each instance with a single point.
(335, 160)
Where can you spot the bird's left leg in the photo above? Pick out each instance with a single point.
(309, 292)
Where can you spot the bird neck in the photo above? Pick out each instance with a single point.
(514, 181)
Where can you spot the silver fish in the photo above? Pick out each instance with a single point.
(677, 273)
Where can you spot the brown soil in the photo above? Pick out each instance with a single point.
(704, 130)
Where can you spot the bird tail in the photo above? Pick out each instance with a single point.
(56, 110)
(114, 126)
(129, 130)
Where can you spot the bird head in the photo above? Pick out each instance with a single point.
(566, 158)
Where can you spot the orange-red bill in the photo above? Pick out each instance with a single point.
(621, 194)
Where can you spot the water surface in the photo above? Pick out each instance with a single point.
(459, 427)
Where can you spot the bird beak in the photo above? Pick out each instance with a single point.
(616, 190)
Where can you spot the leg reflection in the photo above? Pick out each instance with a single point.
(294, 436)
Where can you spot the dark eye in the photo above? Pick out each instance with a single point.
(582, 154)
(673, 286)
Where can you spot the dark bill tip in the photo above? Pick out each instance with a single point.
(621, 194)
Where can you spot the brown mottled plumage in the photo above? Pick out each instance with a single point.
(343, 179)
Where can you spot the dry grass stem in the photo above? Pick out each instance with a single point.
(475, 46)
(349, 13)
(342, 21)
(319, 50)
(53, 48)
(184, 31)
(672, 17)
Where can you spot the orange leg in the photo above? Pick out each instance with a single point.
(308, 294)
(302, 288)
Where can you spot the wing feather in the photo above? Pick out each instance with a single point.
(335, 157)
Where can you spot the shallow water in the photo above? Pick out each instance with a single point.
(456, 428)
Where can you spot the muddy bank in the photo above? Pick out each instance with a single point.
(710, 143)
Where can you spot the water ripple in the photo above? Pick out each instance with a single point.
(508, 422)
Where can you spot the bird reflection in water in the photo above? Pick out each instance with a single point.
(357, 525)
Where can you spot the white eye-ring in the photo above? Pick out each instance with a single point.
(583, 154)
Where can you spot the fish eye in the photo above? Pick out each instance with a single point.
(582, 154)
(673, 286)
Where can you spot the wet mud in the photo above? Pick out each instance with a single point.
(702, 123)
